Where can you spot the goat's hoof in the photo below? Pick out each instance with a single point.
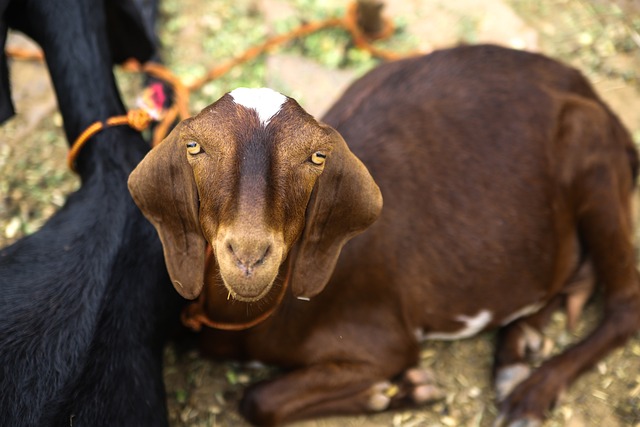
(419, 376)
(415, 387)
(421, 383)
(379, 398)
(426, 393)
(508, 377)
(536, 345)
(528, 403)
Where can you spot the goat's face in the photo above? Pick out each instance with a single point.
(251, 175)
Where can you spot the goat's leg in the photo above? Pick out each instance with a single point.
(521, 343)
(517, 344)
(334, 388)
(605, 224)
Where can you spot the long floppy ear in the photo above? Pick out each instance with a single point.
(345, 201)
(164, 189)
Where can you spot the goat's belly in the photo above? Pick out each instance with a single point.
(463, 309)
(465, 326)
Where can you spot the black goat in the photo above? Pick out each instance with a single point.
(84, 302)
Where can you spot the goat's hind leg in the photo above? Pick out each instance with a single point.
(332, 389)
(602, 197)
(518, 345)
(521, 343)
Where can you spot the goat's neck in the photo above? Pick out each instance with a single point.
(79, 59)
(114, 149)
(95, 96)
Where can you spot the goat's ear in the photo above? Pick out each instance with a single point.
(164, 189)
(345, 201)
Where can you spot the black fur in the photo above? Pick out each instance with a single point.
(85, 302)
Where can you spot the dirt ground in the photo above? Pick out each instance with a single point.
(599, 37)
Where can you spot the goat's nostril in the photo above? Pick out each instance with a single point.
(247, 260)
(266, 253)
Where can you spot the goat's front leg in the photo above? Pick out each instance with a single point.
(334, 388)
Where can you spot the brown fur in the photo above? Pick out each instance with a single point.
(503, 174)
(247, 196)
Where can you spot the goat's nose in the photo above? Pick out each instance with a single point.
(249, 261)
(248, 255)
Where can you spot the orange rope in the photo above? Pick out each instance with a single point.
(180, 110)
(24, 54)
(194, 315)
(350, 23)
(181, 96)
(136, 119)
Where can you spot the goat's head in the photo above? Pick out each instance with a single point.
(252, 175)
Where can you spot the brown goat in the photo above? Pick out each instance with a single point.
(507, 186)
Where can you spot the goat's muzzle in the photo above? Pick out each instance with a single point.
(249, 261)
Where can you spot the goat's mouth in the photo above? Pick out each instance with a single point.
(247, 287)
(245, 293)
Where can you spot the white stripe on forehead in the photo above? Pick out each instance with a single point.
(266, 102)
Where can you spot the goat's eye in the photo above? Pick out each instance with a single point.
(318, 158)
(193, 148)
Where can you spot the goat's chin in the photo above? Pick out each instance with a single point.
(247, 290)
(248, 298)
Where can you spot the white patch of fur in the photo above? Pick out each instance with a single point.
(508, 377)
(473, 325)
(524, 311)
(266, 102)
